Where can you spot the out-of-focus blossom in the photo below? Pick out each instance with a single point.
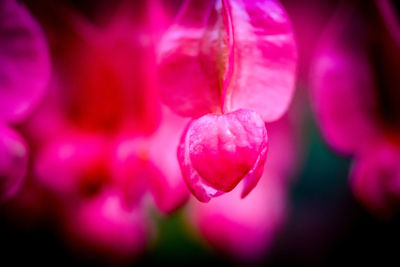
(102, 140)
(309, 18)
(105, 225)
(233, 64)
(24, 73)
(356, 95)
(246, 228)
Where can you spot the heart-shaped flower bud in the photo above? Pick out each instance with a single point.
(221, 56)
(217, 151)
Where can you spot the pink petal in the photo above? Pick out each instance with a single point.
(227, 55)
(251, 179)
(150, 163)
(166, 184)
(218, 151)
(265, 58)
(73, 166)
(105, 227)
(343, 93)
(187, 86)
(243, 228)
(200, 188)
(24, 61)
(13, 162)
(129, 169)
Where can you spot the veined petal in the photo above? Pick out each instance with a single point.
(24, 61)
(226, 55)
(217, 151)
(200, 188)
(265, 58)
(188, 75)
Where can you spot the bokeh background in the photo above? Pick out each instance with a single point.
(326, 225)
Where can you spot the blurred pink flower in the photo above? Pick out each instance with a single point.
(356, 96)
(105, 225)
(24, 73)
(101, 138)
(232, 63)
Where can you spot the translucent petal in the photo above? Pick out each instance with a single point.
(227, 55)
(218, 151)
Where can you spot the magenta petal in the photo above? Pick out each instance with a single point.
(343, 83)
(254, 175)
(187, 87)
(129, 170)
(243, 228)
(13, 162)
(166, 183)
(343, 98)
(200, 188)
(227, 55)
(24, 61)
(265, 58)
(218, 151)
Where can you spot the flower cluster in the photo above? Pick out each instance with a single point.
(104, 150)
(233, 64)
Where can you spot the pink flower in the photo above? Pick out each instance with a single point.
(355, 91)
(104, 103)
(220, 61)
